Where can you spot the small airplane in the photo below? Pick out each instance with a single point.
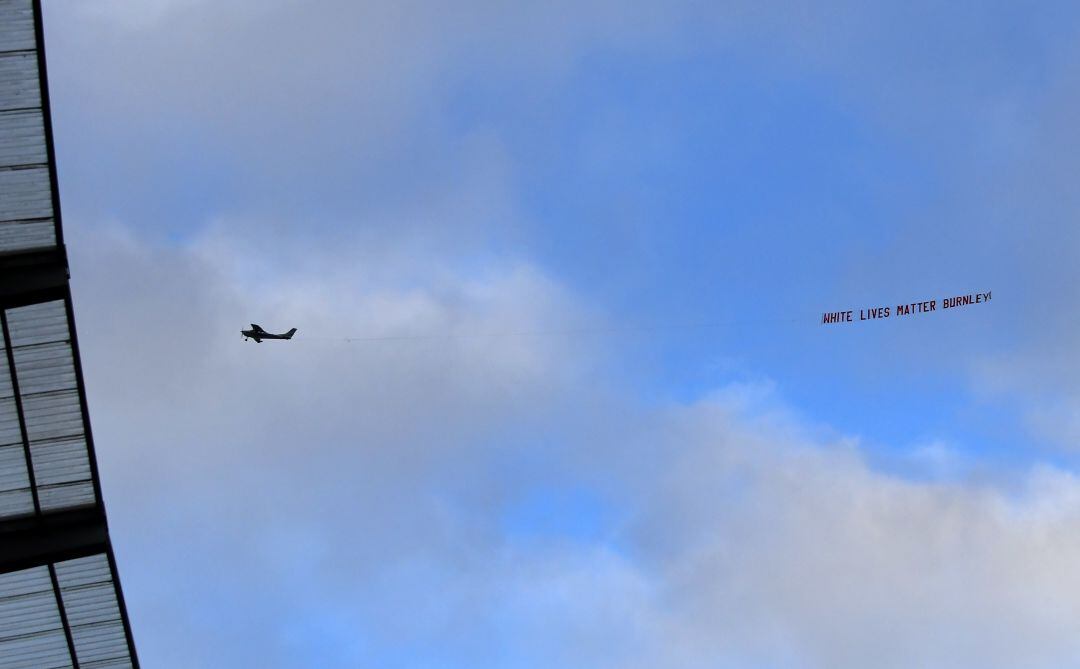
(258, 334)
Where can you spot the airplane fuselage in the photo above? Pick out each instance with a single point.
(258, 334)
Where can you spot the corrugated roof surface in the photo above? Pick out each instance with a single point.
(62, 612)
(40, 345)
(17, 25)
(15, 496)
(27, 193)
(22, 138)
(26, 215)
(93, 613)
(19, 88)
(32, 633)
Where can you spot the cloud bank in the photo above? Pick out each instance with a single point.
(336, 503)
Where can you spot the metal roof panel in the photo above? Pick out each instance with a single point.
(89, 595)
(31, 634)
(19, 84)
(27, 194)
(50, 506)
(16, 25)
(22, 138)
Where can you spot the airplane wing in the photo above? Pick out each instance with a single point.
(256, 328)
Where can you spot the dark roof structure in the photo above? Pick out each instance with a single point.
(60, 600)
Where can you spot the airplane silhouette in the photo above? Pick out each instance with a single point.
(258, 334)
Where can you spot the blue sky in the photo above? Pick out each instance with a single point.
(615, 433)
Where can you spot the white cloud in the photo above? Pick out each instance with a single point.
(346, 501)
(232, 464)
(780, 553)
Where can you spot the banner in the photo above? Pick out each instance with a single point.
(913, 309)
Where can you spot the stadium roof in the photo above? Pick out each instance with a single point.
(60, 598)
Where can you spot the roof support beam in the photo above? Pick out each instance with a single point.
(31, 541)
(14, 379)
(31, 277)
(63, 616)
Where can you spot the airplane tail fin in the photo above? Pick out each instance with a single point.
(290, 333)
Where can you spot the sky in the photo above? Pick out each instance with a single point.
(560, 394)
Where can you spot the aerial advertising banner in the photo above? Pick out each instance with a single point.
(899, 310)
